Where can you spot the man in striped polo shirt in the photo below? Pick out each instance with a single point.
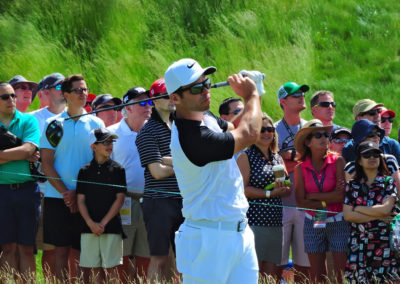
(162, 202)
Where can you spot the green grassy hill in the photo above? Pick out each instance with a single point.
(348, 47)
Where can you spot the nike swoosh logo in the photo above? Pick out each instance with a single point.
(190, 66)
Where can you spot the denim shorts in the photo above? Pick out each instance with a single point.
(331, 238)
(19, 214)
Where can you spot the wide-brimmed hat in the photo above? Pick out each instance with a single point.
(307, 129)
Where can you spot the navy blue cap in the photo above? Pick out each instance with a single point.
(361, 128)
(133, 93)
(103, 99)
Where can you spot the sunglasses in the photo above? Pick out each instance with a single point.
(198, 88)
(269, 129)
(384, 119)
(373, 134)
(107, 142)
(80, 91)
(370, 154)
(318, 135)
(237, 111)
(22, 87)
(143, 104)
(58, 87)
(5, 97)
(326, 104)
(372, 112)
(297, 95)
(340, 140)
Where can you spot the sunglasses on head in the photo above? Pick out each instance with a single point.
(198, 88)
(143, 104)
(370, 154)
(269, 129)
(5, 97)
(22, 87)
(297, 94)
(384, 119)
(372, 112)
(326, 104)
(80, 90)
(107, 142)
(340, 140)
(373, 134)
(318, 135)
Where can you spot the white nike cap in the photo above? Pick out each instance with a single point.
(184, 72)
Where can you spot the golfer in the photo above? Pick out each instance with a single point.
(214, 244)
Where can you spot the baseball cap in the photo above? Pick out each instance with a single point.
(364, 106)
(103, 99)
(99, 135)
(368, 146)
(158, 87)
(184, 72)
(335, 133)
(21, 79)
(50, 81)
(290, 88)
(390, 112)
(133, 93)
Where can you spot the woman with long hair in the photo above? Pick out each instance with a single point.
(370, 198)
(265, 212)
(319, 185)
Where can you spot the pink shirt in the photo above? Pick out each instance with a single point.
(329, 183)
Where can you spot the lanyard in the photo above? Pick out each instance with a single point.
(319, 184)
(288, 128)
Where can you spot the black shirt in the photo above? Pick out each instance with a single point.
(105, 181)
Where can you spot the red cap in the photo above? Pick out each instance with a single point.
(390, 112)
(89, 100)
(158, 87)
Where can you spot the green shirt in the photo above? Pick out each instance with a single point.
(25, 127)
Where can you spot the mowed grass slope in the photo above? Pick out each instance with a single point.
(348, 47)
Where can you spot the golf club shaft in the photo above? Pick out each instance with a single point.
(220, 84)
(119, 106)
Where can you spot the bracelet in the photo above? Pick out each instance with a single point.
(267, 194)
(323, 203)
(293, 155)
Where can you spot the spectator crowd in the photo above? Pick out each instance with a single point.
(154, 186)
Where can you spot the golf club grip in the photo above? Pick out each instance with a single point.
(220, 84)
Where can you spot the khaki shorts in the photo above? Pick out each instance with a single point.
(101, 251)
(39, 236)
(136, 235)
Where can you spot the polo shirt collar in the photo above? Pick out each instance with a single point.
(17, 116)
(95, 163)
(65, 114)
(328, 160)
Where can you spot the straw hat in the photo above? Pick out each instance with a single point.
(308, 128)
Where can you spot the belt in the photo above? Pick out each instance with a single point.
(15, 186)
(334, 218)
(237, 226)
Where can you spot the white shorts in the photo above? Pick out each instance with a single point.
(208, 255)
(101, 251)
(293, 236)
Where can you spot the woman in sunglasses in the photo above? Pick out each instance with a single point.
(370, 199)
(387, 118)
(319, 185)
(256, 165)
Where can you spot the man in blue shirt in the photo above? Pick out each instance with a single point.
(19, 194)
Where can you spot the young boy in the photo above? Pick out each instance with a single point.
(101, 192)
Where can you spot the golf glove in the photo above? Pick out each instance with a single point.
(258, 78)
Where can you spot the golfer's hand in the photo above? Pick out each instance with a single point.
(242, 86)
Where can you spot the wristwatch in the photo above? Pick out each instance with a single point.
(267, 193)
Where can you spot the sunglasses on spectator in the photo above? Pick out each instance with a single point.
(326, 104)
(372, 112)
(198, 88)
(107, 142)
(58, 87)
(384, 119)
(297, 94)
(373, 134)
(237, 111)
(318, 135)
(370, 154)
(340, 140)
(80, 91)
(143, 104)
(22, 87)
(5, 97)
(269, 129)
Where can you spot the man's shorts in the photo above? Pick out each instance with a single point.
(101, 251)
(162, 217)
(332, 238)
(19, 214)
(268, 242)
(212, 255)
(61, 228)
(40, 245)
(136, 236)
(293, 236)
